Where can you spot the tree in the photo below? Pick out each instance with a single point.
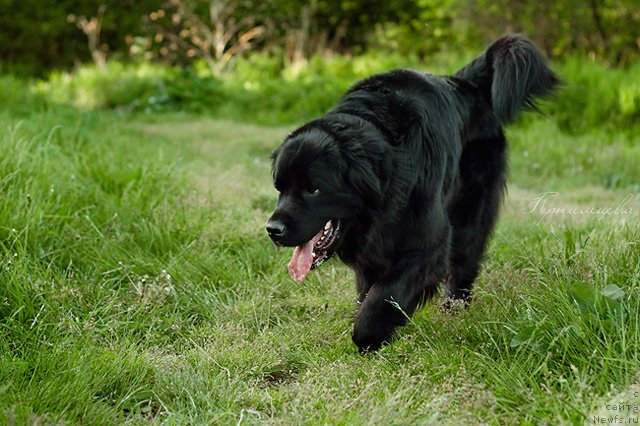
(604, 29)
(223, 35)
(92, 27)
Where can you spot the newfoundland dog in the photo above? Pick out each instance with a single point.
(403, 180)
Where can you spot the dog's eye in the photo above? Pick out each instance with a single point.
(312, 190)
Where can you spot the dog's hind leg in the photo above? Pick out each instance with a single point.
(474, 212)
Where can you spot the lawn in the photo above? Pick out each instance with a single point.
(137, 285)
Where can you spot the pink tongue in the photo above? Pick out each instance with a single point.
(302, 259)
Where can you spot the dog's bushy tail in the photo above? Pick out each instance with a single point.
(512, 72)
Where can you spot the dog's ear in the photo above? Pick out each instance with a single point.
(365, 182)
(274, 157)
(363, 178)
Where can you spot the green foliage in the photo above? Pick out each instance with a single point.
(187, 90)
(18, 97)
(36, 36)
(258, 91)
(423, 27)
(264, 90)
(36, 39)
(596, 96)
(629, 100)
(117, 85)
(603, 29)
(144, 87)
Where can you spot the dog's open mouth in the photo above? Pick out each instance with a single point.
(314, 252)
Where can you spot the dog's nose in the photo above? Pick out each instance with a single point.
(276, 229)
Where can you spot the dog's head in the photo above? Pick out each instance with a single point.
(324, 185)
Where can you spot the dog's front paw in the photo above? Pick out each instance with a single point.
(371, 337)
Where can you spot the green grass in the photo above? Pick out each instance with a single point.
(137, 285)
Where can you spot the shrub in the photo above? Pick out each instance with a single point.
(265, 90)
(117, 85)
(17, 96)
(596, 96)
(132, 87)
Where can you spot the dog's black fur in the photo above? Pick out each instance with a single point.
(414, 166)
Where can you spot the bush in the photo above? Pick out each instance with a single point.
(117, 85)
(17, 96)
(263, 89)
(629, 100)
(596, 96)
(132, 87)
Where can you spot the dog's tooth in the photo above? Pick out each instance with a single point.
(327, 225)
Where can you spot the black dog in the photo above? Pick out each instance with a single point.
(403, 180)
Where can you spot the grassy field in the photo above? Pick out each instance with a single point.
(137, 285)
